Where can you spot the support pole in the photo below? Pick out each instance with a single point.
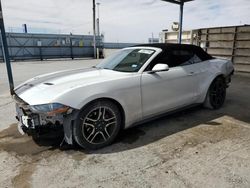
(98, 26)
(40, 53)
(94, 32)
(98, 19)
(180, 22)
(71, 46)
(6, 51)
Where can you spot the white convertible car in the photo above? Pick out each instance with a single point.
(132, 86)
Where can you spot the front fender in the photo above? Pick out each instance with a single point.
(127, 94)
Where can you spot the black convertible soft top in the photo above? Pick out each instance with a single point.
(169, 47)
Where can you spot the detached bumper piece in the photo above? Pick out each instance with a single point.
(29, 127)
(31, 123)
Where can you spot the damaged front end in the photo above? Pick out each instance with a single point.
(35, 119)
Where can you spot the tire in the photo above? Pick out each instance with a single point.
(216, 94)
(97, 125)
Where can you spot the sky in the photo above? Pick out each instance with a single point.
(121, 20)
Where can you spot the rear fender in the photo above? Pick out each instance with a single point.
(219, 68)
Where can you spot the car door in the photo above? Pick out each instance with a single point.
(168, 90)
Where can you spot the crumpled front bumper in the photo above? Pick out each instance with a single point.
(32, 123)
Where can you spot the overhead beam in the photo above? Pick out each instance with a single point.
(172, 1)
(177, 1)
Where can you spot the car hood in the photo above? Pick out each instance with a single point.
(47, 88)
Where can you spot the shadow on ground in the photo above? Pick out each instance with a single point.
(237, 106)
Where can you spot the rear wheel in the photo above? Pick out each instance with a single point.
(97, 125)
(216, 94)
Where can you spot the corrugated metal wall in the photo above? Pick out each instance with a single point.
(46, 46)
(228, 42)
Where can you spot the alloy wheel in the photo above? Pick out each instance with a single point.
(99, 125)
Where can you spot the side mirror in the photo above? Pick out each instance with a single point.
(160, 67)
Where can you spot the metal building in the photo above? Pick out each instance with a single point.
(231, 42)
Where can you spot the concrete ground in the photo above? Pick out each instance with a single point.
(194, 148)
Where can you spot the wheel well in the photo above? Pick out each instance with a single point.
(114, 102)
(219, 76)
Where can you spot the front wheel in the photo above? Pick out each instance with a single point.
(216, 94)
(97, 125)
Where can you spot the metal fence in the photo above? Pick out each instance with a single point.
(47, 46)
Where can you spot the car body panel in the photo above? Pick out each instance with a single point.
(208, 71)
(83, 86)
(175, 88)
(46, 89)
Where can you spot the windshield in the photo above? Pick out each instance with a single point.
(128, 60)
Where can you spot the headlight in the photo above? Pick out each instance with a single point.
(50, 109)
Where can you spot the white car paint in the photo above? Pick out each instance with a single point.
(141, 94)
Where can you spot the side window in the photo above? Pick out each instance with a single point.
(162, 58)
(193, 60)
(184, 57)
(176, 57)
